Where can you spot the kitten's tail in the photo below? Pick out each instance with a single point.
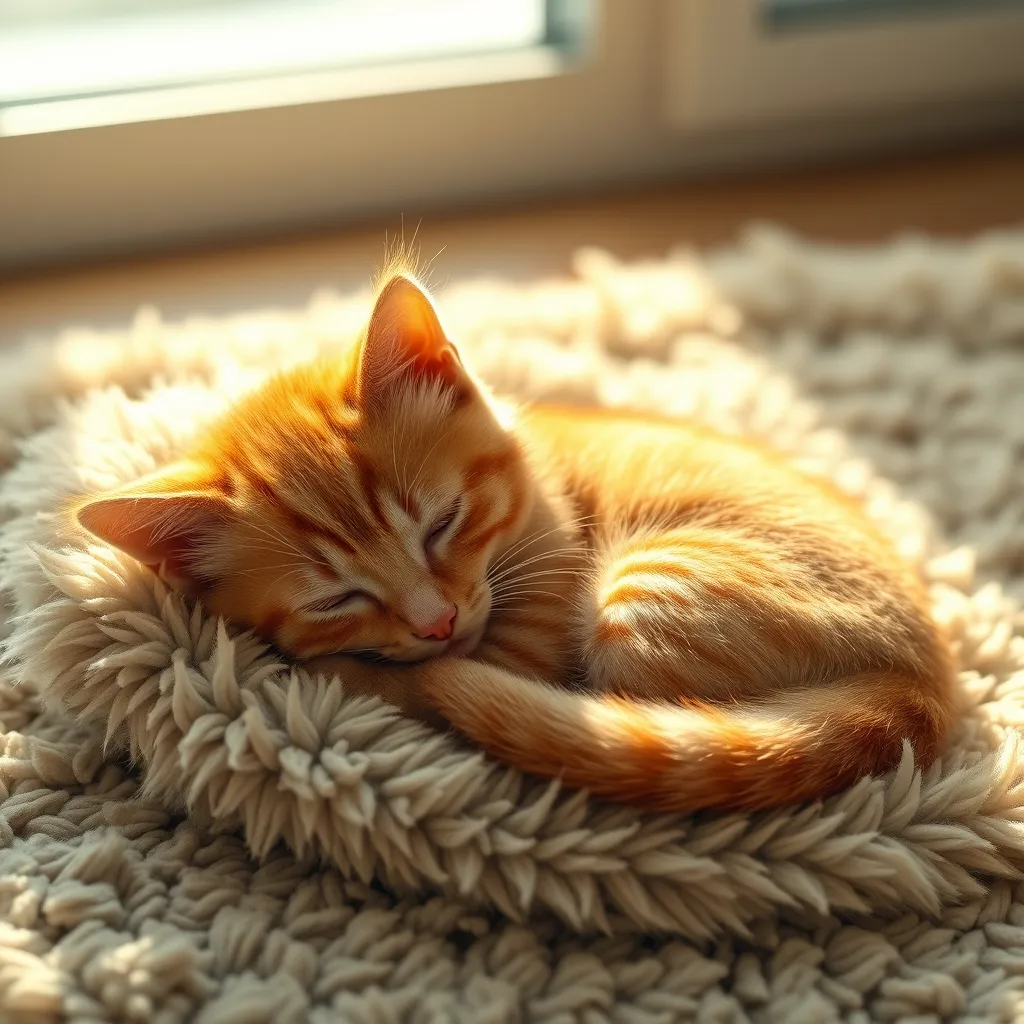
(803, 745)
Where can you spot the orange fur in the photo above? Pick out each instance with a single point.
(643, 607)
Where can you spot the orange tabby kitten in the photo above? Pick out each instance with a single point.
(645, 608)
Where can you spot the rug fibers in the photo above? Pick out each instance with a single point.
(191, 830)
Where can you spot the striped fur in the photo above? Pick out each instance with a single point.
(644, 608)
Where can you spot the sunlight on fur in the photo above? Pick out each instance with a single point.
(366, 845)
(641, 607)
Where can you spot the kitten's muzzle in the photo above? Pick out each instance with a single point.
(465, 644)
(441, 628)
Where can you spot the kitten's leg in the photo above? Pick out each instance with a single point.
(393, 683)
(719, 613)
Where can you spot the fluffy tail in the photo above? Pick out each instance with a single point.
(803, 745)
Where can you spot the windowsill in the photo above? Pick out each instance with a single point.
(949, 194)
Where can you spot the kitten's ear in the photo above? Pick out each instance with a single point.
(162, 520)
(405, 341)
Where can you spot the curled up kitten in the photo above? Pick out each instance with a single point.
(640, 606)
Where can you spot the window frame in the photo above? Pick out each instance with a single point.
(445, 134)
(733, 64)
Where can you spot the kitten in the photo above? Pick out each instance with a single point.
(642, 607)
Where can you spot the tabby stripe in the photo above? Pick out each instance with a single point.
(371, 488)
(633, 625)
(302, 523)
(609, 629)
(686, 540)
(325, 572)
(327, 409)
(224, 481)
(486, 467)
(297, 521)
(648, 566)
(624, 592)
(482, 537)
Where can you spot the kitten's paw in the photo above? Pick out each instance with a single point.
(395, 684)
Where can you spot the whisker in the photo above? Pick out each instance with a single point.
(554, 554)
(277, 538)
(530, 592)
(526, 585)
(514, 602)
(293, 569)
(553, 578)
(292, 572)
(525, 588)
(539, 535)
(577, 549)
(257, 545)
(548, 553)
(573, 571)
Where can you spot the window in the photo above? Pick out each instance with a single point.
(795, 13)
(94, 51)
(127, 124)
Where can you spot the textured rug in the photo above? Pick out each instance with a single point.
(190, 830)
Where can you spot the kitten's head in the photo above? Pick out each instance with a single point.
(345, 506)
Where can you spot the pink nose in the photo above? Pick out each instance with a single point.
(441, 628)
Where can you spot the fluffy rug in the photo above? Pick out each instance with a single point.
(190, 830)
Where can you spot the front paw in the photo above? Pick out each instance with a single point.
(395, 684)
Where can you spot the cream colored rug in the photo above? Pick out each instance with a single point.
(190, 830)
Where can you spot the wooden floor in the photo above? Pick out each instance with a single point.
(950, 195)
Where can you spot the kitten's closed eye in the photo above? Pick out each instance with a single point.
(443, 525)
(337, 602)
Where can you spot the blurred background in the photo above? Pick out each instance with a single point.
(208, 155)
